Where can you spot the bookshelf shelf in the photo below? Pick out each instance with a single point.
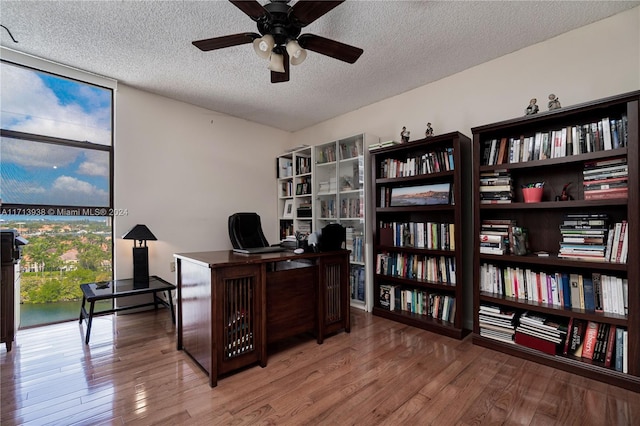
(599, 135)
(420, 281)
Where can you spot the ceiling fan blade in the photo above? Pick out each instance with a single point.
(325, 46)
(281, 77)
(308, 11)
(225, 41)
(251, 7)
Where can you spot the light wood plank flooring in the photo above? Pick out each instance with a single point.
(381, 373)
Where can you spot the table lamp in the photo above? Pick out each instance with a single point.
(140, 253)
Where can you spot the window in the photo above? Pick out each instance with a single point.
(56, 180)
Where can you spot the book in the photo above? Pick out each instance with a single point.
(589, 296)
(534, 342)
(590, 337)
(577, 331)
(611, 340)
(596, 279)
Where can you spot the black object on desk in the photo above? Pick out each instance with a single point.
(92, 292)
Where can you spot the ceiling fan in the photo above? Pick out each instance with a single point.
(279, 40)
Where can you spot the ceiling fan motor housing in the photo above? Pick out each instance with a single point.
(278, 22)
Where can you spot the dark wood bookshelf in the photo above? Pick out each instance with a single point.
(459, 179)
(543, 220)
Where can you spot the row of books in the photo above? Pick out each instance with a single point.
(357, 282)
(355, 243)
(328, 209)
(588, 341)
(421, 302)
(425, 235)
(440, 269)
(591, 292)
(496, 187)
(351, 150)
(351, 207)
(503, 236)
(606, 179)
(601, 135)
(303, 165)
(600, 342)
(326, 154)
(430, 162)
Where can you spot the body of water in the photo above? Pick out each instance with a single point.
(34, 314)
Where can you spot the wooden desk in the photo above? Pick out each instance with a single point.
(230, 306)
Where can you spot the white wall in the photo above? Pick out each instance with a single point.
(182, 170)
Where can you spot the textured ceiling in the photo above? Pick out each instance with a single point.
(407, 44)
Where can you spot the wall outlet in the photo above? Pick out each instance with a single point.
(172, 266)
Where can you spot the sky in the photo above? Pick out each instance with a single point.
(40, 173)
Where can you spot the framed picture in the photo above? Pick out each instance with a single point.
(287, 213)
(299, 189)
(422, 195)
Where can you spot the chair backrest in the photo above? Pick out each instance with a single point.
(245, 231)
(333, 237)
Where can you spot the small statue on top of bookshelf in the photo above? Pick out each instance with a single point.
(404, 135)
(554, 102)
(429, 131)
(532, 108)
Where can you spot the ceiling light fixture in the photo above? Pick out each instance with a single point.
(278, 38)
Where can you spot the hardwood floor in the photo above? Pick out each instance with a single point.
(381, 373)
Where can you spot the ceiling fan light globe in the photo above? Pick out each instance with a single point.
(276, 62)
(296, 53)
(264, 45)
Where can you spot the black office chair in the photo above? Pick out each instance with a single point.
(245, 231)
(333, 237)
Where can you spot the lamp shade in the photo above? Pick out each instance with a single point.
(276, 62)
(264, 45)
(296, 53)
(140, 233)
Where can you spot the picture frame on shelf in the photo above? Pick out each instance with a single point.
(421, 195)
(287, 212)
(299, 189)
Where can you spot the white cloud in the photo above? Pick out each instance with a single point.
(68, 190)
(31, 154)
(28, 105)
(96, 164)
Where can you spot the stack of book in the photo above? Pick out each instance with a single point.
(496, 323)
(496, 236)
(383, 144)
(539, 332)
(584, 237)
(496, 187)
(605, 179)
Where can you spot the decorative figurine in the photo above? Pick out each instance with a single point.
(429, 131)
(554, 103)
(565, 194)
(404, 135)
(532, 108)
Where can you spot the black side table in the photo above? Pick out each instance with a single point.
(92, 292)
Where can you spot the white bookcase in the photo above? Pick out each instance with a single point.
(295, 192)
(340, 191)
